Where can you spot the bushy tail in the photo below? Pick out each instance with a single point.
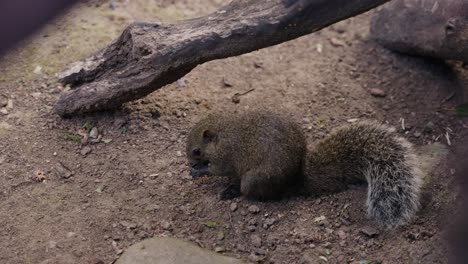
(394, 181)
(375, 153)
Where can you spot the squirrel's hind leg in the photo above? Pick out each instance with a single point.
(259, 184)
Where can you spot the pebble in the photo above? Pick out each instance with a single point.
(429, 127)
(38, 70)
(220, 236)
(254, 209)
(256, 240)
(417, 134)
(227, 82)
(3, 100)
(337, 42)
(62, 171)
(268, 222)
(369, 232)
(181, 83)
(128, 225)
(166, 225)
(219, 249)
(85, 150)
(233, 207)
(36, 95)
(376, 92)
(251, 228)
(319, 219)
(319, 47)
(94, 133)
(3, 111)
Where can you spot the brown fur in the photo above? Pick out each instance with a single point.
(262, 151)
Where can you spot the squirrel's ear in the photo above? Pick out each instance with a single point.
(209, 136)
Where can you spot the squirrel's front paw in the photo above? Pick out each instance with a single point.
(231, 192)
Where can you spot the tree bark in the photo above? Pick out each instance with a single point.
(148, 56)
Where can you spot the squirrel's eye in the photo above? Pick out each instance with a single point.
(196, 152)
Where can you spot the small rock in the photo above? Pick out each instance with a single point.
(181, 83)
(219, 249)
(369, 232)
(197, 101)
(233, 207)
(256, 240)
(52, 244)
(128, 225)
(319, 47)
(376, 92)
(268, 222)
(3, 111)
(71, 234)
(3, 100)
(320, 219)
(62, 171)
(258, 64)
(94, 133)
(241, 247)
(107, 140)
(235, 98)
(251, 228)
(341, 234)
(38, 70)
(166, 225)
(339, 28)
(337, 42)
(417, 134)
(429, 127)
(85, 150)
(227, 82)
(254, 209)
(220, 236)
(36, 95)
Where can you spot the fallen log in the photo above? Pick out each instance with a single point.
(148, 56)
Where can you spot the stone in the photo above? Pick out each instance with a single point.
(3, 100)
(62, 171)
(94, 133)
(166, 225)
(164, 250)
(429, 127)
(254, 209)
(337, 42)
(233, 207)
(227, 82)
(268, 222)
(376, 92)
(85, 150)
(369, 232)
(256, 240)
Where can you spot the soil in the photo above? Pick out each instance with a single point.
(65, 199)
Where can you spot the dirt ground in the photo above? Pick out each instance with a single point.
(64, 201)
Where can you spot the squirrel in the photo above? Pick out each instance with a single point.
(265, 154)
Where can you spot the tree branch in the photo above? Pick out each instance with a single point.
(148, 56)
